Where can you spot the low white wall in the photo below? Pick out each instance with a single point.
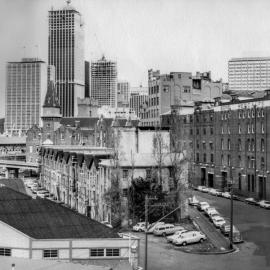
(20, 253)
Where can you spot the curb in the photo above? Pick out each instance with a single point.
(210, 252)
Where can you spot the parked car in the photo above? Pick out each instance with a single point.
(212, 191)
(264, 204)
(107, 223)
(171, 238)
(152, 226)
(208, 210)
(139, 227)
(167, 229)
(218, 221)
(205, 189)
(213, 214)
(193, 201)
(43, 193)
(226, 227)
(251, 201)
(190, 237)
(226, 195)
(200, 188)
(203, 205)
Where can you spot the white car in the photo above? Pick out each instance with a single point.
(205, 189)
(167, 229)
(251, 201)
(203, 205)
(264, 204)
(218, 221)
(213, 214)
(139, 227)
(215, 192)
(171, 238)
(226, 195)
(200, 188)
(209, 210)
(43, 193)
(190, 237)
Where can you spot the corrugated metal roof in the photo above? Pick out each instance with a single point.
(44, 219)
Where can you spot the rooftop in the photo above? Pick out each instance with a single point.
(12, 140)
(44, 219)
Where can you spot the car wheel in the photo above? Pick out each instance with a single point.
(201, 240)
(140, 230)
(184, 243)
(164, 234)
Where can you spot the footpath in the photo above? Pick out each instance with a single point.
(220, 242)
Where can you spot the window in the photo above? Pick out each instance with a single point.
(253, 162)
(258, 112)
(198, 145)
(248, 161)
(212, 158)
(262, 145)
(50, 253)
(125, 174)
(248, 113)
(211, 146)
(253, 113)
(204, 146)
(5, 252)
(197, 131)
(222, 159)
(148, 173)
(229, 130)
(112, 252)
(197, 157)
(239, 161)
(239, 114)
(204, 158)
(262, 163)
(222, 130)
(252, 144)
(204, 131)
(252, 128)
(239, 129)
(239, 181)
(191, 131)
(248, 128)
(222, 117)
(229, 144)
(211, 131)
(211, 117)
(222, 144)
(96, 252)
(262, 128)
(229, 160)
(244, 115)
(225, 116)
(262, 113)
(239, 145)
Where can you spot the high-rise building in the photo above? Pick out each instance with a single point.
(25, 92)
(249, 73)
(66, 53)
(123, 93)
(104, 82)
(86, 79)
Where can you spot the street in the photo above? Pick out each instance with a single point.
(253, 254)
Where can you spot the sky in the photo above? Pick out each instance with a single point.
(169, 35)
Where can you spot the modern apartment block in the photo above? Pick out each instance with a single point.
(26, 87)
(66, 53)
(175, 90)
(249, 73)
(229, 144)
(123, 94)
(104, 82)
(137, 102)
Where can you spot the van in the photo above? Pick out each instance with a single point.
(166, 229)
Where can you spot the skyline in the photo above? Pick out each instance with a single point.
(123, 31)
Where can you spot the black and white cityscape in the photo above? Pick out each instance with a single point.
(134, 135)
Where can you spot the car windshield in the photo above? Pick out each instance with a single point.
(267, 202)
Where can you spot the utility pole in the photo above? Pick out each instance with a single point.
(231, 218)
(146, 225)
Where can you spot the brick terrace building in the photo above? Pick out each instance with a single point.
(230, 141)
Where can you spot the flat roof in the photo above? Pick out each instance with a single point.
(44, 219)
(249, 59)
(12, 140)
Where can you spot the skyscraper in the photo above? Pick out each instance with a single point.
(104, 82)
(123, 93)
(25, 93)
(251, 73)
(66, 53)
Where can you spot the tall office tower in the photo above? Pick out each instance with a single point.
(25, 92)
(86, 79)
(123, 93)
(66, 53)
(249, 73)
(137, 102)
(104, 82)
